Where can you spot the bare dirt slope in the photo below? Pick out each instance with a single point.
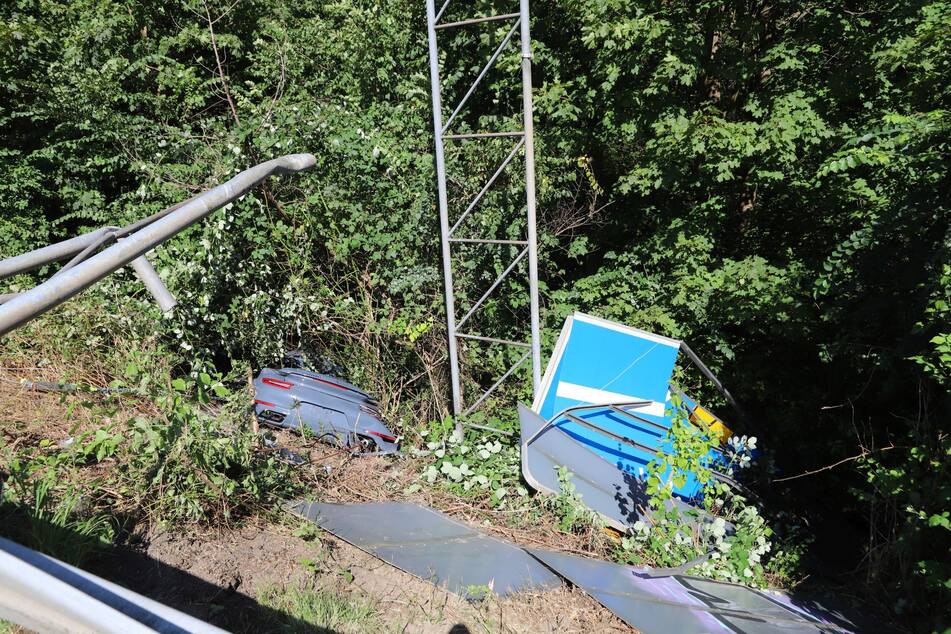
(220, 574)
(216, 577)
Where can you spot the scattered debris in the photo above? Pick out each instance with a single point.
(290, 457)
(283, 453)
(436, 548)
(330, 408)
(432, 546)
(657, 601)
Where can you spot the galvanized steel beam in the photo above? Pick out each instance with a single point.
(525, 143)
(489, 18)
(61, 287)
(443, 209)
(31, 260)
(153, 283)
(47, 595)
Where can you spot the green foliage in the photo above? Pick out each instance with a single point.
(673, 537)
(478, 592)
(476, 465)
(181, 465)
(191, 466)
(916, 487)
(936, 362)
(306, 607)
(55, 525)
(569, 508)
(768, 182)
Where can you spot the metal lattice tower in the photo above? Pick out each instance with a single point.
(524, 140)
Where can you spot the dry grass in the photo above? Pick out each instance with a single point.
(263, 554)
(29, 416)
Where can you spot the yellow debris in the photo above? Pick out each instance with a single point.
(701, 415)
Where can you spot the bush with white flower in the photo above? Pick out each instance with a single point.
(728, 534)
(481, 466)
(739, 452)
(568, 506)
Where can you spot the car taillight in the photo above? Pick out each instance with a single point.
(278, 383)
(382, 435)
(331, 384)
(264, 403)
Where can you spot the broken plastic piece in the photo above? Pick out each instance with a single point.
(599, 362)
(291, 457)
(433, 547)
(330, 408)
(651, 601)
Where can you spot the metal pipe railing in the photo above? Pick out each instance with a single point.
(619, 408)
(59, 288)
(153, 283)
(142, 267)
(576, 408)
(52, 253)
(707, 372)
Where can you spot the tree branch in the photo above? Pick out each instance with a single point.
(221, 70)
(834, 465)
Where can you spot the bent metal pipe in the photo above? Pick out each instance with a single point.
(58, 289)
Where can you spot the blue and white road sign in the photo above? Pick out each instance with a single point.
(600, 362)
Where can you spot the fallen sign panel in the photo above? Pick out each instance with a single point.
(600, 361)
(650, 601)
(597, 362)
(619, 497)
(433, 547)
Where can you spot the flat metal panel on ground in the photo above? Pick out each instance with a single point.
(652, 602)
(429, 545)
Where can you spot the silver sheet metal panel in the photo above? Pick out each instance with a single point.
(431, 546)
(653, 602)
(617, 496)
(601, 485)
(47, 595)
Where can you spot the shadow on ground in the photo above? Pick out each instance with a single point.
(220, 605)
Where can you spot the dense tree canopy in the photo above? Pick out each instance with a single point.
(769, 181)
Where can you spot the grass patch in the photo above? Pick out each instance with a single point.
(6, 627)
(308, 608)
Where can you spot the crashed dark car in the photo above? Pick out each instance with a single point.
(330, 408)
